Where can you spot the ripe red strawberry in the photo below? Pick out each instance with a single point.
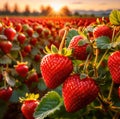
(5, 93)
(102, 30)
(27, 48)
(21, 38)
(78, 93)
(18, 27)
(30, 31)
(79, 52)
(10, 33)
(55, 68)
(6, 46)
(29, 105)
(21, 69)
(114, 66)
(32, 77)
(37, 57)
(33, 41)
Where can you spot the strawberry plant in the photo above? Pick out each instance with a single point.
(91, 90)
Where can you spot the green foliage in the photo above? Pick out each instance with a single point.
(48, 105)
(103, 42)
(115, 17)
(20, 92)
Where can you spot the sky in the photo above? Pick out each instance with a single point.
(72, 4)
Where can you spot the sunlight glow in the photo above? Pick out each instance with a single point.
(56, 6)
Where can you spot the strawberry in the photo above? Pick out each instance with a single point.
(6, 46)
(78, 93)
(37, 57)
(18, 27)
(33, 41)
(10, 33)
(27, 48)
(21, 38)
(29, 105)
(55, 68)
(114, 66)
(21, 69)
(79, 52)
(30, 31)
(102, 30)
(5, 93)
(32, 77)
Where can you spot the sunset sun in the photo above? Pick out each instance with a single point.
(56, 7)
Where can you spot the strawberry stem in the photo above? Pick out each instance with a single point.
(102, 58)
(21, 57)
(95, 62)
(85, 65)
(110, 91)
(63, 40)
(11, 57)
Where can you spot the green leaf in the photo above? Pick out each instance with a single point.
(35, 51)
(115, 17)
(48, 105)
(54, 49)
(20, 92)
(41, 85)
(103, 42)
(70, 35)
(5, 60)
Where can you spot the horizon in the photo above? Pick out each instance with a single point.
(73, 5)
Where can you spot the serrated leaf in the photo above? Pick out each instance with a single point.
(115, 17)
(70, 35)
(48, 105)
(103, 42)
(5, 60)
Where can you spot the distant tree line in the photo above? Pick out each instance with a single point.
(44, 11)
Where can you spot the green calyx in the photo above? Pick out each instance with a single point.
(54, 50)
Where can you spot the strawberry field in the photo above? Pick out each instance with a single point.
(60, 67)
